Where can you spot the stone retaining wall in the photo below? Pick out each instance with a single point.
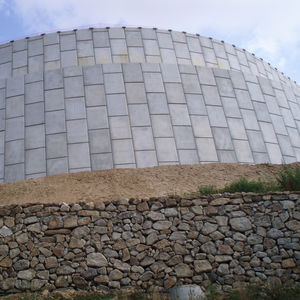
(158, 242)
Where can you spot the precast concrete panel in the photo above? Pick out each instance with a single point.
(107, 98)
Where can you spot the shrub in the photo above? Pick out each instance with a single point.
(206, 190)
(289, 179)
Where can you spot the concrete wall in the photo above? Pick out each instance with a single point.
(151, 244)
(127, 115)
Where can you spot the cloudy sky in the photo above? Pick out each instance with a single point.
(269, 28)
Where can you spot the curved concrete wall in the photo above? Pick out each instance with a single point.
(141, 115)
(124, 45)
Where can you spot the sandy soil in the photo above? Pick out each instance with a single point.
(126, 183)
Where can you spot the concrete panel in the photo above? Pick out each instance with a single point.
(117, 105)
(179, 114)
(136, 55)
(57, 166)
(216, 116)
(93, 75)
(79, 156)
(67, 42)
(262, 112)
(195, 104)
(146, 159)
(139, 115)
(132, 73)
(157, 103)
(55, 122)
(54, 100)
(222, 138)
(14, 173)
(119, 127)
(103, 55)
(191, 84)
(135, 93)
(288, 117)
(56, 145)
(256, 141)
(268, 132)
(272, 105)
(99, 141)
(35, 137)
(211, 95)
(77, 131)
(237, 129)
(168, 56)
(35, 161)
(14, 129)
(97, 117)
(14, 152)
(162, 126)
(250, 119)
(20, 59)
(166, 149)
(281, 98)
(170, 73)
(255, 92)
(52, 53)
(102, 161)
(225, 87)
(206, 76)
(15, 86)
(151, 47)
(231, 108)
(175, 93)
(153, 83)
(15, 107)
(274, 154)
(34, 114)
(85, 48)
(123, 151)
(285, 145)
(184, 137)
(134, 39)
(188, 157)
(243, 152)
(142, 138)
(201, 126)
(294, 136)
(278, 124)
(34, 92)
(74, 87)
(226, 156)
(114, 83)
(261, 158)
(164, 40)
(36, 64)
(53, 79)
(75, 108)
(206, 150)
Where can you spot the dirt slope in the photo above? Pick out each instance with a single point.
(126, 183)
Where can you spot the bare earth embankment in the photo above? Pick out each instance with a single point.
(127, 183)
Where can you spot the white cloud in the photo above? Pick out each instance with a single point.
(268, 28)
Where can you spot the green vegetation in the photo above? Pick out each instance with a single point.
(287, 180)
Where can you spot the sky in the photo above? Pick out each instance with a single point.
(268, 28)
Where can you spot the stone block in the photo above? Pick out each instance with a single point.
(35, 161)
(20, 59)
(75, 108)
(103, 55)
(225, 87)
(54, 100)
(146, 159)
(56, 145)
(250, 119)
(97, 117)
(206, 76)
(79, 156)
(132, 73)
(142, 138)
(243, 152)
(166, 150)
(262, 112)
(93, 75)
(191, 84)
(188, 157)
(53, 79)
(85, 48)
(35, 136)
(226, 156)
(157, 103)
(222, 138)
(102, 161)
(77, 131)
(55, 122)
(67, 42)
(274, 153)
(211, 95)
(74, 87)
(179, 114)
(51, 53)
(119, 127)
(34, 92)
(206, 150)
(123, 151)
(255, 92)
(278, 124)
(116, 105)
(153, 83)
(14, 152)
(15, 86)
(201, 126)
(231, 108)
(134, 39)
(14, 129)
(216, 116)
(139, 115)
(268, 132)
(15, 107)
(34, 114)
(184, 137)
(170, 73)
(237, 129)
(196, 104)
(99, 141)
(285, 145)
(57, 166)
(36, 64)
(14, 173)
(68, 58)
(114, 83)
(151, 47)
(162, 126)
